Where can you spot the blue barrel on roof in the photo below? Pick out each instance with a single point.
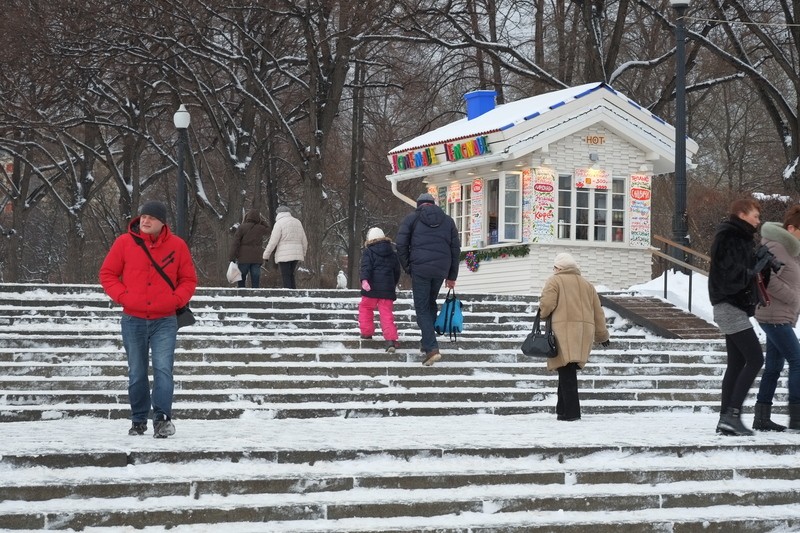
(479, 102)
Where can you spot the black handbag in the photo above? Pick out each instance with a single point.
(184, 315)
(540, 343)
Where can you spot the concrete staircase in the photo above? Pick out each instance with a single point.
(289, 366)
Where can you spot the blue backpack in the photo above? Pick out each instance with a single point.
(450, 320)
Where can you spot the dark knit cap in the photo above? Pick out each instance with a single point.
(425, 198)
(155, 209)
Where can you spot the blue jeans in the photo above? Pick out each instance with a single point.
(782, 345)
(254, 269)
(141, 336)
(425, 291)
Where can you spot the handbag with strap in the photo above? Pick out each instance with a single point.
(540, 343)
(184, 314)
(450, 319)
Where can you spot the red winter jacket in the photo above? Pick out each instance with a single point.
(130, 279)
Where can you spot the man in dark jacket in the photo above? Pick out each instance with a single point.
(149, 303)
(429, 250)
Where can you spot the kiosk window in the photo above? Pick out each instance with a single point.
(461, 212)
(504, 208)
(593, 215)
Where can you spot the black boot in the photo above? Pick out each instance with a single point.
(761, 420)
(730, 423)
(794, 416)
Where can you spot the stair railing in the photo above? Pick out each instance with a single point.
(667, 255)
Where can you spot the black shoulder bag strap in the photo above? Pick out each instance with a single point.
(160, 270)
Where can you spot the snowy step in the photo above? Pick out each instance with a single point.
(197, 478)
(382, 503)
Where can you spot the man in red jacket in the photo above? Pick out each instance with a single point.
(130, 277)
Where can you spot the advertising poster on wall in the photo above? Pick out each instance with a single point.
(476, 223)
(454, 193)
(441, 196)
(591, 178)
(640, 211)
(543, 212)
(527, 205)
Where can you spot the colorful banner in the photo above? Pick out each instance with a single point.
(422, 158)
(467, 149)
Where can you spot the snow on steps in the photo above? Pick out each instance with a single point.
(455, 481)
(266, 350)
(258, 362)
(232, 362)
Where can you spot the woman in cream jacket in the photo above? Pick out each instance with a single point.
(578, 321)
(288, 241)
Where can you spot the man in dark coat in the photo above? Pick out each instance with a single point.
(429, 250)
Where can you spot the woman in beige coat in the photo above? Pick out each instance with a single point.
(578, 321)
(288, 241)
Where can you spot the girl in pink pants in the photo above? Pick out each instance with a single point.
(379, 272)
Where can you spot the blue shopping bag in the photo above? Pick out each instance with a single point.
(450, 320)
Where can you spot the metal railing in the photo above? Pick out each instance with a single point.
(670, 249)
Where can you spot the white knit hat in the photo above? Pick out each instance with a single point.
(565, 260)
(375, 233)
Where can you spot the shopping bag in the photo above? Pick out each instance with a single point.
(450, 320)
(233, 274)
(540, 343)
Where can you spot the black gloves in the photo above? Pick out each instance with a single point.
(606, 344)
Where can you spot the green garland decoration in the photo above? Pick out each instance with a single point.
(476, 256)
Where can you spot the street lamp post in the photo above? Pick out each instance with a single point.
(680, 227)
(181, 120)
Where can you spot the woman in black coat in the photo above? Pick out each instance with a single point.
(734, 295)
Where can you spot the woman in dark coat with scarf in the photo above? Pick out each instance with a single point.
(247, 247)
(733, 291)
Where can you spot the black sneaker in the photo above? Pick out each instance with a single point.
(366, 337)
(391, 346)
(163, 428)
(138, 428)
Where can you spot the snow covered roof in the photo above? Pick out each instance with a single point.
(519, 128)
(500, 118)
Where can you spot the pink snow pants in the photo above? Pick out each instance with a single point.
(366, 322)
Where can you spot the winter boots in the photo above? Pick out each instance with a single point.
(730, 423)
(794, 416)
(761, 420)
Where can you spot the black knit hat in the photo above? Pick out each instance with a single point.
(155, 209)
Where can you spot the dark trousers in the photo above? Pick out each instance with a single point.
(744, 362)
(568, 405)
(425, 291)
(287, 273)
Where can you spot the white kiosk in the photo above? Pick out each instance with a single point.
(565, 171)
